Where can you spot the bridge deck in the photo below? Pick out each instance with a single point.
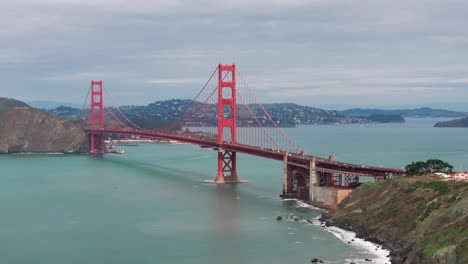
(322, 164)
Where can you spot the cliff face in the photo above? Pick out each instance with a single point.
(420, 219)
(24, 129)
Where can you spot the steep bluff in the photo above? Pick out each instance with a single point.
(420, 219)
(25, 129)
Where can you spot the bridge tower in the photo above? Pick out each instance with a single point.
(227, 104)
(96, 140)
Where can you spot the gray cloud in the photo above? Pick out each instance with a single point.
(310, 52)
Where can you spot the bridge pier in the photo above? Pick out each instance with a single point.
(313, 179)
(96, 144)
(295, 181)
(306, 183)
(227, 168)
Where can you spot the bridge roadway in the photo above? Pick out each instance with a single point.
(304, 161)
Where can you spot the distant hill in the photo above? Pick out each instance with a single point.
(284, 114)
(287, 115)
(7, 103)
(419, 112)
(462, 122)
(65, 111)
(52, 104)
(25, 129)
(386, 118)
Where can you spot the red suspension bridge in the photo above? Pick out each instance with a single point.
(225, 102)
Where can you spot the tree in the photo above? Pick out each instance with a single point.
(436, 165)
(416, 168)
(429, 166)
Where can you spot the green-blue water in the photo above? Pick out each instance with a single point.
(149, 205)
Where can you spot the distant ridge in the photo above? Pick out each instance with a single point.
(284, 114)
(7, 103)
(418, 112)
(462, 122)
(52, 104)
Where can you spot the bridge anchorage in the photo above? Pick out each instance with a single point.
(320, 181)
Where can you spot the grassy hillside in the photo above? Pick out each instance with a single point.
(7, 103)
(420, 219)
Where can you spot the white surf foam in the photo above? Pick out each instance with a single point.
(377, 252)
(301, 204)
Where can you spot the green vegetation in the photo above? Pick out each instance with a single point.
(429, 166)
(386, 118)
(418, 218)
(441, 187)
(6, 103)
(375, 185)
(149, 124)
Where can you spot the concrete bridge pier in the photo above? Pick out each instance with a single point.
(295, 181)
(96, 144)
(310, 185)
(227, 169)
(322, 192)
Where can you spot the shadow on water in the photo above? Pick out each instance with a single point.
(168, 173)
(228, 193)
(227, 209)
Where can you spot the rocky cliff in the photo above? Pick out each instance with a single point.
(420, 219)
(25, 129)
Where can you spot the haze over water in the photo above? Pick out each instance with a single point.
(150, 205)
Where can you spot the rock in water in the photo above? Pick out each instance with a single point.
(279, 218)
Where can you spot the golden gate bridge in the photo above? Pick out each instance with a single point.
(226, 96)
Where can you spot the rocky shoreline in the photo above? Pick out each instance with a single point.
(419, 219)
(396, 254)
(377, 252)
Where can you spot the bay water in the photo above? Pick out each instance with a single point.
(151, 206)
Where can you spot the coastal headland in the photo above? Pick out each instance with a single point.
(421, 219)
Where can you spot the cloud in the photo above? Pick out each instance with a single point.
(311, 52)
(462, 80)
(173, 81)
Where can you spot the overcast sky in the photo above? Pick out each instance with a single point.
(316, 52)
